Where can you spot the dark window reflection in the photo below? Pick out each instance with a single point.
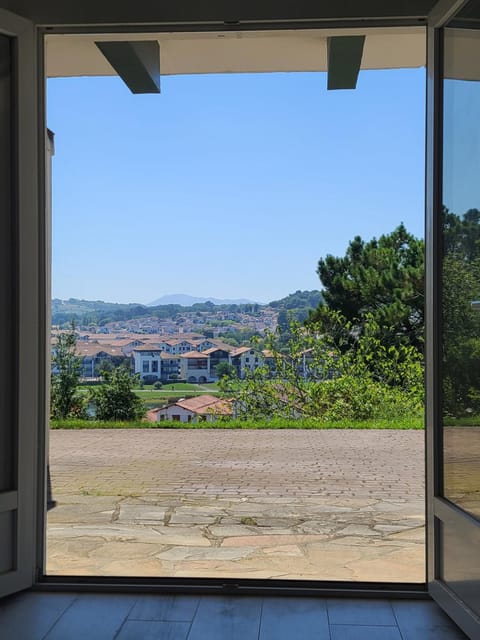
(7, 442)
(461, 269)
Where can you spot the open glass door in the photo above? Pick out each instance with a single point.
(19, 302)
(453, 323)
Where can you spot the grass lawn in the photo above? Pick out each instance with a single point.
(157, 398)
(183, 386)
(169, 392)
(400, 423)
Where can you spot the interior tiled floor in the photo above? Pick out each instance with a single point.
(70, 616)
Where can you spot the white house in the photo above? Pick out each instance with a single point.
(203, 407)
(153, 363)
(195, 367)
(246, 358)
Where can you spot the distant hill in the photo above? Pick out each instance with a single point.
(92, 311)
(299, 300)
(85, 312)
(185, 300)
(297, 305)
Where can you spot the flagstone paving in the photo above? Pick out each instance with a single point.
(303, 504)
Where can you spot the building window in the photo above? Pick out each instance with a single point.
(146, 366)
(155, 366)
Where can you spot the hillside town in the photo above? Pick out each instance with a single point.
(212, 322)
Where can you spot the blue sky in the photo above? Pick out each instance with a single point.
(227, 185)
(461, 166)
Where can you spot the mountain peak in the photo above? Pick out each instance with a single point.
(186, 300)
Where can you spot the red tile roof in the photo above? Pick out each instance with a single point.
(206, 405)
(194, 354)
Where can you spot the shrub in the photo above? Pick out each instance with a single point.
(115, 399)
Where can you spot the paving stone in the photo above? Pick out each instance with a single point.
(269, 540)
(141, 514)
(191, 519)
(316, 526)
(390, 528)
(417, 534)
(198, 553)
(283, 550)
(350, 500)
(94, 513)
(358, 530)
(224, 531)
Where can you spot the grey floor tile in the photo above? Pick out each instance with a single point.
(93, 617)
(424, 620)
(227, 618)
(287, 618)
(368, 632)
(360, 611)
(29, 616)
(165, 607)
(153, 630)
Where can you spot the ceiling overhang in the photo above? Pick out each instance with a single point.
(239, 51)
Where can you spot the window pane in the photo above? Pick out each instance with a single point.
(6, 261)
(461, 270)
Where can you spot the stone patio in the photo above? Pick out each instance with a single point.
(303, 504)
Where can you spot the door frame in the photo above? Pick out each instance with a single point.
(438, 508)
(235, 585)
(28, 337)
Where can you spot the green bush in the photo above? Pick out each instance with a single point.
(116, 399)
(318, 376)
(353, 398)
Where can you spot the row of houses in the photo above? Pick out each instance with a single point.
(190, 357)
(194, 366)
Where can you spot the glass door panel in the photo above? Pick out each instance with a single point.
(453, 314)
(461, 270)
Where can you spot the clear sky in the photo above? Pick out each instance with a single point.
(461, 166)
(227, 185)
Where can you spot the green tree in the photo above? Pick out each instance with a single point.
(225, 370)
(460, 325)
(383, 279)
(314, 376)
(65, 401)
(115, 399)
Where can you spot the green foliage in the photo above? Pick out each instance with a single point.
(115, 399)
(157, 385)
(381, 278)
(297, 306)
(225, 370)
(461, 325)
(65, 399)
(267, 423)
(313, 376)
(298, 300)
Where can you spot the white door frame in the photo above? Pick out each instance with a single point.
(21, 501)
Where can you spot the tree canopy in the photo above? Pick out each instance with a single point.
(115, 399)
(460, 325)
(382, 279)
(65, 401)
